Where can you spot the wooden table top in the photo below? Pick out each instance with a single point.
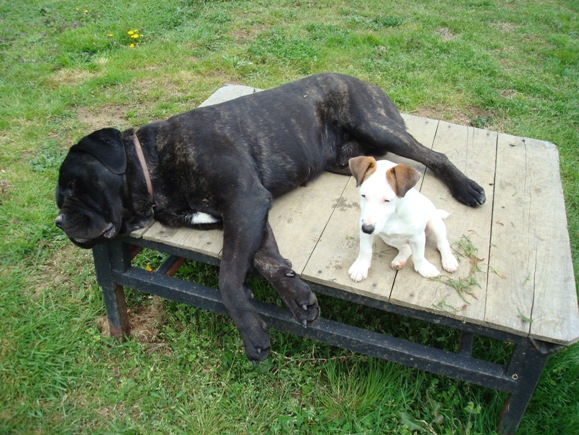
(516, 271)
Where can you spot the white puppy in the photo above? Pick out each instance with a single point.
(399, 214)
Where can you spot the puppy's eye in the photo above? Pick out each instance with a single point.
(363, 196)
(386, 200)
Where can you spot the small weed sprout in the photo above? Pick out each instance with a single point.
(525, 319)
(464, 286)
(466, 249)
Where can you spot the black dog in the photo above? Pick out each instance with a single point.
(222, 165)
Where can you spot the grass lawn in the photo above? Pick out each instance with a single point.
(69, 68)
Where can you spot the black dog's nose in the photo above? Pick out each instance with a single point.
(58, 221)
(368, 229)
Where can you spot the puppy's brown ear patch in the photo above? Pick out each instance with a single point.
(402, 178)
(361, 168)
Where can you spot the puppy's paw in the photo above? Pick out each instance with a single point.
(450, 263)
(358, 271)
(397, 263)
(427, 269)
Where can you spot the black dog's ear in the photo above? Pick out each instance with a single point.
(107, 146)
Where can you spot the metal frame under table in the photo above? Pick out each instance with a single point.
(525, 291)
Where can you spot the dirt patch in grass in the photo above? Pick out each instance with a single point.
(69, 76)
(445, 33)
(244, 34)
(102, 117)
(506, 26)
(145, 320)
(4, 186)
(61, 270)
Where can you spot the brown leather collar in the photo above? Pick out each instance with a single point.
(143, 163)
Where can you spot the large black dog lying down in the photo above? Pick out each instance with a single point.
(222, 165)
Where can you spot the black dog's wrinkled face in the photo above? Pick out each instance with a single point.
(89, 199)
(90, 189)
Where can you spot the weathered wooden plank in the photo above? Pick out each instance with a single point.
(534, 289)
(555, 311)
(513, 251)
(338, 245)
(299, 217)
(137, 234)
(456, 295)
(204, 242)
(228, 92)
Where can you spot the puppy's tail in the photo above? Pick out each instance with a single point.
(443, 214)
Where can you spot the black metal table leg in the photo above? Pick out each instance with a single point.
(526, 367)
(114, 294)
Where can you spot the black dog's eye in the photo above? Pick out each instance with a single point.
(68, 188)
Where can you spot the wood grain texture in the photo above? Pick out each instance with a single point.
(534, 289)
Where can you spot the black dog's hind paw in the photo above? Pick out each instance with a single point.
(468, 192)
(257, 344)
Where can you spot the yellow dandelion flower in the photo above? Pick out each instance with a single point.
(148, 267)
(135, 36)
(131, 46)
(130, 32)
(86, 11)
(110, 35)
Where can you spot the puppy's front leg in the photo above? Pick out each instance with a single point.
(421, 264)
(404, 253)
(359, 269)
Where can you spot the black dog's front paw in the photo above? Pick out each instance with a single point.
(300, 299)
(468, 192)
(308, 312)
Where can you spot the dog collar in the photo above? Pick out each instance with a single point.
(143, 163)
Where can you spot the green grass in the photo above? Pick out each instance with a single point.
(506, 65)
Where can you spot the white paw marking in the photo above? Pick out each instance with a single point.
(427, 270)
(358, 271)
(450, 263)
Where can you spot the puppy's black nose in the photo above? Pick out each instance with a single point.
(368, 229)
(58, 221)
